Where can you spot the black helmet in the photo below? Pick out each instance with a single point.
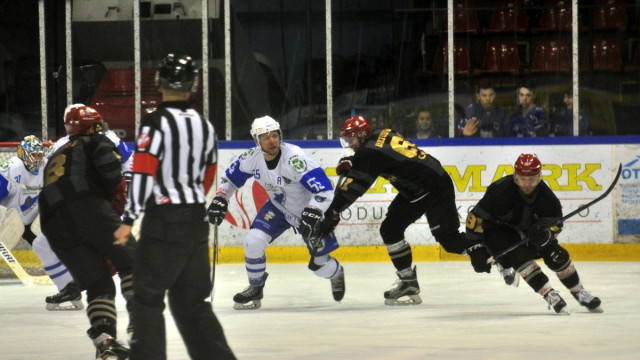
(177, 73)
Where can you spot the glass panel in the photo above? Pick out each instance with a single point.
(385, 66)
(20, 112)
(609, 71)
(103, 75)
(279, 66)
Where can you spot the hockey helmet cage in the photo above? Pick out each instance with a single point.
(177, 73)
(263, 125)
(527, 165)
(31, 152)
(79, 118)
(355, 126)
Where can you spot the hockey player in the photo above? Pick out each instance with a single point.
(20, 185)
(299, 193)
(68, 289)
(424, 189)
(21, 181)
(523, 203)
(79, 220)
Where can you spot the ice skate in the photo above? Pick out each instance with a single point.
(338, 286)
(556, 302)
(69, 298)
(510, 276)
(587, 300)
(107, 348)
(249, 299)
(406, 291)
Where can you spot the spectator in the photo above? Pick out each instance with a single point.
(562, 119)
(425, 126)
(484, 118)
(529, 120)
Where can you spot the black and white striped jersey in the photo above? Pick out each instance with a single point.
(175, 159)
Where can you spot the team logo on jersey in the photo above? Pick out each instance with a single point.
(4, 166)
(269, 215)
(246, 153)
(143, 141)
(286, 180)
(297, 164)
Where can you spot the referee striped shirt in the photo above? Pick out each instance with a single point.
(175, 159)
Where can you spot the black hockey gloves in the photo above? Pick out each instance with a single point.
(541, 233)
(217, 210)
(479, 256)
(344, 165)
(329, 223)
(310, 222)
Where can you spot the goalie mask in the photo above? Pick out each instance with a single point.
(177, 73)
(79, 118)
(31, 152)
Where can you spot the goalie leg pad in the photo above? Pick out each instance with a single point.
(11, 228)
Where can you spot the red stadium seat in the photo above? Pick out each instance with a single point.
(465, 17)
(551, 56)
(555, 17)
(606, 56)
(508, 16)
(501, 57)
(609, 14)
(461, 60)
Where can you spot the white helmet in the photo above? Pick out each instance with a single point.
(263, 125)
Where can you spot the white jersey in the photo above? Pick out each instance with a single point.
(295, 183)
(25, 201)
(127, 155)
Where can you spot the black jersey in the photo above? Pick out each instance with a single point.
(87, 164)
(504, 201)
(387, 154)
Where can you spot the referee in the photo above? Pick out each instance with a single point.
(174, 164)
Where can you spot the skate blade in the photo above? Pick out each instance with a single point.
(253, 305)
(404, 300)
(66, 306)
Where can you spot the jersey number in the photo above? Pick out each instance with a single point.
(406, 148)
(55, 169)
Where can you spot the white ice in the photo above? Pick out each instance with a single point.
(464, 315)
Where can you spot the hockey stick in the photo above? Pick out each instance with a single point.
(23, 186)
(19, 271)
(524, 237)
(315, 243)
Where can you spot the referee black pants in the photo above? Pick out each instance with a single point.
(173, 256)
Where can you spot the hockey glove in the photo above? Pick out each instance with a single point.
(217, 210)
(541, 233)
(479, 256)
(310, 222)
(344, 165)
(329, 223)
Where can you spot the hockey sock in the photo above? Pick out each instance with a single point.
(400, 254)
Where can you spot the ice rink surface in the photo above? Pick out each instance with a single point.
(464, 315)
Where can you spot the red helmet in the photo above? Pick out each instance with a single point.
(527, 165)
(355, 126)
(79, 118)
